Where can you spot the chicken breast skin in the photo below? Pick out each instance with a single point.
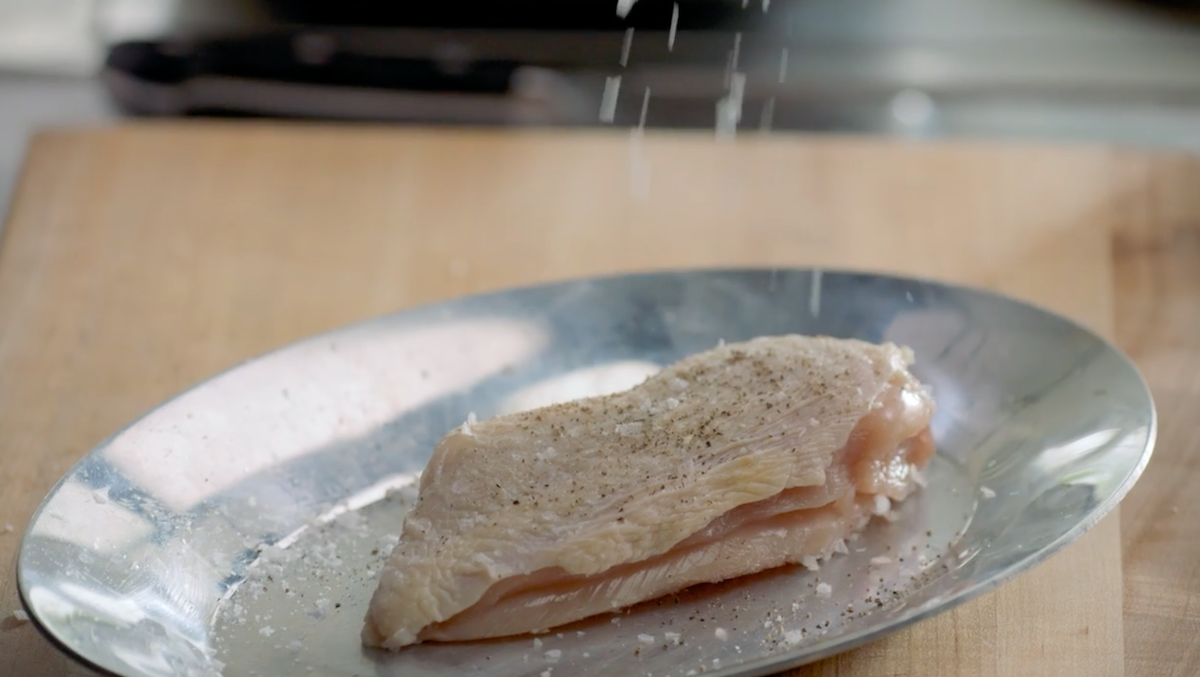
(732, 461)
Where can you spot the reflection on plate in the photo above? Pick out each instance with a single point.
(237, 529)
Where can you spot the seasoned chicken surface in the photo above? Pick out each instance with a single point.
(732, 461)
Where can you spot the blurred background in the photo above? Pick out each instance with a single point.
(1096, 70)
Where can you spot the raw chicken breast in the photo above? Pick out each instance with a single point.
(729, 462)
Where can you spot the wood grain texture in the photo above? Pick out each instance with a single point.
(1157, 256)
(139, 260)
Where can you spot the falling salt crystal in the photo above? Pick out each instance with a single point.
(674, 26)
(824, 590)
(722, 634)
(587, 655)
(810, 563)
(20, 616)
(629, 429)
(678, 384)
(471, 420)
(553, 655)
(882, 505)
(880, 561)
(986, 492)
(537, 643)
(623, 7)
(266, 631)
(608, 100)
(626, 46)
(646, 639)
(673, 637)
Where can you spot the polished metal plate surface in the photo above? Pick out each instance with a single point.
(237, 529)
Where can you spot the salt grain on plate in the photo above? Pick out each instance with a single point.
(295, 646)
(553, 655)
(810, 563)
(792, 636)
(722, 634)
(839, 546)
(880, 561)
(20, 616)
(673, 637)
(266, 631)
(646, 639)
(537, 643)
(986, 492)
(824, 590)
(882, 505)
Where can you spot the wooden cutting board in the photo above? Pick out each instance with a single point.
(139, 260)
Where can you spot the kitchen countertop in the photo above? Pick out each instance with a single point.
(104, 311)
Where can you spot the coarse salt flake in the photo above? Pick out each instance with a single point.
(824, 590)
(986, 492)
(646, 639)
(882, 505)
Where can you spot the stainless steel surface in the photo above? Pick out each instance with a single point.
(151, 557)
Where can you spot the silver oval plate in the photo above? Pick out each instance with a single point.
(238, 528)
